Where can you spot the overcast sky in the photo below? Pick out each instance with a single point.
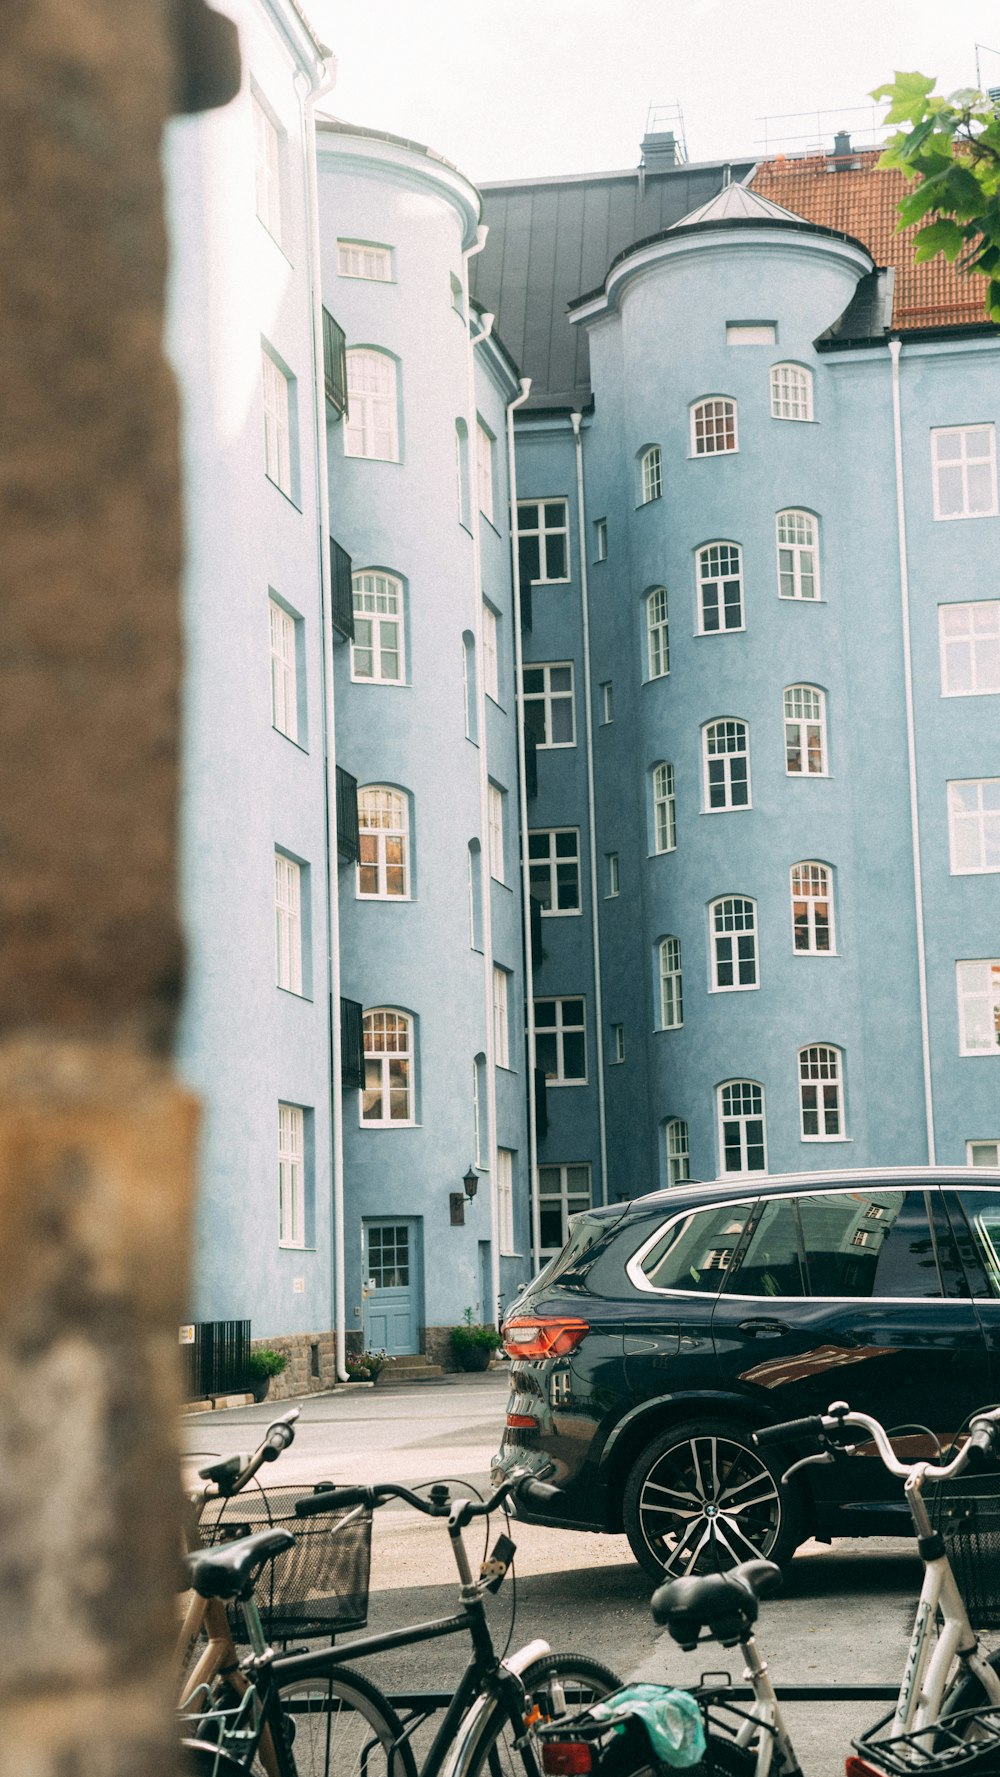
(533, 87)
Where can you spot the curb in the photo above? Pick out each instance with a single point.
(220, 1403)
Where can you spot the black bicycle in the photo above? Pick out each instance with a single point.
(305, 1714)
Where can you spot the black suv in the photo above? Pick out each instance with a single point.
(670, 1328)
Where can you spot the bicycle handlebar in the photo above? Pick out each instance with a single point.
(232, 1475)
(984, 1438)
(327, 1499)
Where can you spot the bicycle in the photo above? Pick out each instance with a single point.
(947, 1713)
(305, 1714)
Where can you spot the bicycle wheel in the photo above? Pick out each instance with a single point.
(198, 1759)
(556, 1684)
(339, 1722)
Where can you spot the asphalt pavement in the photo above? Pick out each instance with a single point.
(844, 1613)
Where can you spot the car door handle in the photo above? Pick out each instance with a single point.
(762, 1328)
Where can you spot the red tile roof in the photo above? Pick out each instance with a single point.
(862, 201)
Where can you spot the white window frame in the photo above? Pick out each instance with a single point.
(462, 474)
(505, 1202)
(491, 654)
(664, 809)
(288, 923)
(791, 392)
(383, 815)
(276, 386)
(981, 821)
(377, 600)
(396, 1031)
(484, 470)
(650, 475)
(547, 697)
(678, 1157)
(564, 1196)
(607, 703)
(979, 639)
(549, 865)
(990, 1142)
(501, 1018)
(978, 985)
(371, 424)
(617, 1044)
(718, 410)
(284, 671)
(495, 813)
(741, 1118)
(821, 1091)
(370, 260)
(817, 888)
(751, 333)
(714, 572)
(799, 728)
(963, 462)
(798, 554)
(730, 918)
(671, 984)
(267, 166)
(477, 1126)
(614, 876)
(560, 1029)
(291, 1175)
(543, 530)
(600, 539)
(658, 632)
(727, 754)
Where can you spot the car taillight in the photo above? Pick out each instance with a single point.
(564, 1758)
(543, 1337)
(859, 1767)
(522, 1422)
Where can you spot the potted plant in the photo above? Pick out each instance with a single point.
(364, 1366)
(264, 1363)
(474, 1343)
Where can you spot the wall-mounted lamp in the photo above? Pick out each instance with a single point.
(456, 1202)
(471, 1183)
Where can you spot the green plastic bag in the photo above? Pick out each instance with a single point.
(672, 1720)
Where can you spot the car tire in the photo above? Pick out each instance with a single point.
(700, 1499)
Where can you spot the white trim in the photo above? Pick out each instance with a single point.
(742, 1119)
(731, 937)
(798, 549)
(810, 901)
(719, 426)
(404, 1029)
(284, 671)
(291, 1175)
(385, 589)
(728, 806)
(982, 822)
(541, 531)
(288, 922)
(371, 424)
(962, 463)
(384, 811)
(987, 996)
(558, 1030)
(547, 697)
(820, 1082)
(370, 260)
(710, 573)
(791, 387)
(797, 730)
(974, 639)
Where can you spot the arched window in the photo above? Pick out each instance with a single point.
(713, 427)
(462, 473)
(387, 1095)
(791, 392)
(720, 588)
(798, 555)
(377, 647)
(812, 909)
(805, 731)
(676, 1139)
(371, 428)
(727, 764)
(742, 1132)
(383, 824)
(651, 467)
(671, 996)
(658, 632)
(820, 1092)
(475, 895)
(664, 809)
(734, 943)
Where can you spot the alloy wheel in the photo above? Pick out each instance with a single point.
(708, 1502)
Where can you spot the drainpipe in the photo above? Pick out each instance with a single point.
(911, 750)
(339, 1315)
(576, 419)
(486, 877)
(522, 810)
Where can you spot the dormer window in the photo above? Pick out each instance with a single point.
(713, 427)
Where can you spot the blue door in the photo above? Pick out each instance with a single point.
(391, 1261)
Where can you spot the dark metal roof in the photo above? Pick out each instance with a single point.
(552, 239)
(865, 320)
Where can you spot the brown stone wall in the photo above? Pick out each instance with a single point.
(298, 1378)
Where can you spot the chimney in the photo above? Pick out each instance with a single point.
(842, 151)
(659, 151)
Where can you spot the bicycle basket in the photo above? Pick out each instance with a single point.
(968, 1743)
(967, 1513)
(317, 1586)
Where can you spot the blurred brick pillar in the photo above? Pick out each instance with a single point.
(96, 1141)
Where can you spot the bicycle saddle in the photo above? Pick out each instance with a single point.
(229, 1570)
(723, 1603)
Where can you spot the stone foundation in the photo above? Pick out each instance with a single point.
(312, 1363)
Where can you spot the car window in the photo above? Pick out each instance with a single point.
(868, 1243)
(773, 1261)
(576, 1257)
(981, 1220)
(694, 1252)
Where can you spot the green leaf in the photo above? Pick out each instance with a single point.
(944, 237)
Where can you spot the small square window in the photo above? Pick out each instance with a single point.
(607, 703)
(751, 333)
(364, 259)
(600, 539)
(618, 1042)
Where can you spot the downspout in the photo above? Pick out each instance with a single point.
(522, 810)
(486, 875)
(576, 419)
(911, 750)
(339, 1305)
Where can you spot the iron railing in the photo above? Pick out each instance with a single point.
(334, 363)
(535, 918)
(341, 590)
(530, 762)
(217, 1360)
(348, 836)
(541, 1105)
(526, 586)
(352, 1044)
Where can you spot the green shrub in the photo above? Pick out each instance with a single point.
(266, 1362)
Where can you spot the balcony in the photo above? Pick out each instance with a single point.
(526, 586)
(334, 364)
(352, 1045)
(535, 923)
(541, 1106)
(348, 837)
(530, 762)
(341, 591)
